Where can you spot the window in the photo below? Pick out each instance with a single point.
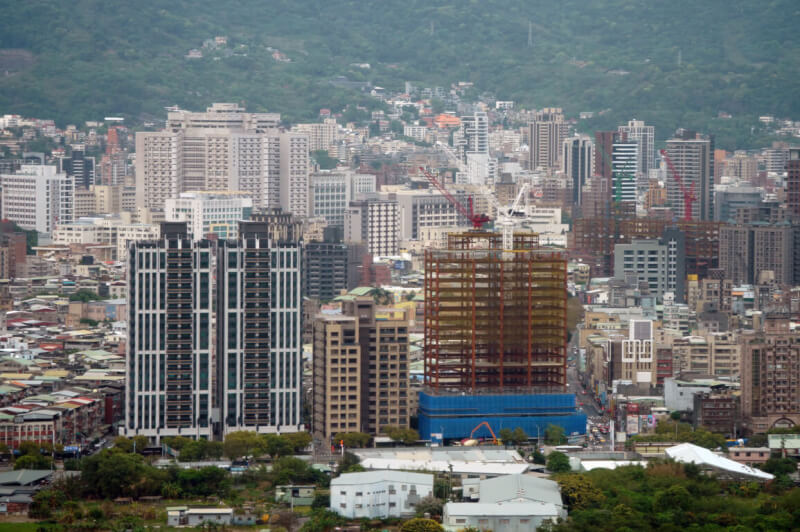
(342, 505)
(359, 494)
(460, 521)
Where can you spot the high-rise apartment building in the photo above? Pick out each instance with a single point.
(38, 197)
(474, 135)
(383, 337)
(331, 266)
(644, 135)
(624, 161)
(320, 135)
(374, 223)
(336, 370)
(224, 148)
(215, 328)
(577, 161)
(746, 250)
(693, 158)
(546, 133)
(330, 192)
(360, 369)
(78, 166)
(294, 173)
(659, 263)
(793, 182)
(422, 209)
(770, 376)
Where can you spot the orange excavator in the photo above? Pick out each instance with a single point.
(471, 441)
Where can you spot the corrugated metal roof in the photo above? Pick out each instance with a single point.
(371, 477)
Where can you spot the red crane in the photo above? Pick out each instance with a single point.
(689, 196)
(477, 220)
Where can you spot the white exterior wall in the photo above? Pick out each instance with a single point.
(295, 161)
(209, 213)
(680, 396)
(330, 193)
(38, 197)
(378, 499)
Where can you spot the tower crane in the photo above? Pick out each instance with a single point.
(689, 196)
(477, 220)
(508, 218)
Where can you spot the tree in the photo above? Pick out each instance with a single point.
(324, 160)
(276, 446)
(242, 443)
(33, 461)
(298, 440)
(558, 462)
(419, 524)
(405, 435)
(506, 436)
(288, 469)
(579, 492)
(321, 500)
(779, 466)
(29, 447)
(429, 505)
(519, 436)
(114, 474)
(123, 444)
(676, 497)
(323, 520)
(538, 457)
(353, 439)
(554, 435)
(84, 296)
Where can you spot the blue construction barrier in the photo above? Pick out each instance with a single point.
(455, 416)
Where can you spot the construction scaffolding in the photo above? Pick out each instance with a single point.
(495, 320)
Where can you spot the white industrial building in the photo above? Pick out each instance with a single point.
(379, 494)
(511, 503)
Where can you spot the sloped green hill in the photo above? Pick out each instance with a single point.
(672, 63)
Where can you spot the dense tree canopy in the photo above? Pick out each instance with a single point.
(674, 64)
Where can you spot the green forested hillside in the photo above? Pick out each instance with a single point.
(89, 58)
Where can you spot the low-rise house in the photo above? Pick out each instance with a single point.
(295, 495)
(192, 517)
(749, 455)
(379, 494)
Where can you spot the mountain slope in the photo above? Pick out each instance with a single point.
(671, 63)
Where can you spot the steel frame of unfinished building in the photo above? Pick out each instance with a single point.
(495, 320)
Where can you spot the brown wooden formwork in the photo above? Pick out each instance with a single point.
(494, 319)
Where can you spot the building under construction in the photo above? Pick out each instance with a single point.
(495, 338)
(495, 320)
